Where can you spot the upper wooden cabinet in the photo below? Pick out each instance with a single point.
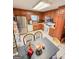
(16, 12)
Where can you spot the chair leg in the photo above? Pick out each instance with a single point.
(54, 57)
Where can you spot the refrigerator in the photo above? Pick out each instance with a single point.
(22, 24)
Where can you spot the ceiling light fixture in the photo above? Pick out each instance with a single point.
(41, 5)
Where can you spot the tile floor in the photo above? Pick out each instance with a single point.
(61, 46)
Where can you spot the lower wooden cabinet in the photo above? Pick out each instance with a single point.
(51, 31)
(38, 26)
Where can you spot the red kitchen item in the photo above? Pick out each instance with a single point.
(30, 52)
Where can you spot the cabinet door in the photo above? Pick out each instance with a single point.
(60, 24)
(51, 31)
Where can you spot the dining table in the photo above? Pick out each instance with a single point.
(50, 49)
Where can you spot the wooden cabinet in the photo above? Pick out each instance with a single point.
(38, 26)
(51, 31)
(58, 16)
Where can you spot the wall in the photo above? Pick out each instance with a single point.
(59, 18)
(27, 13)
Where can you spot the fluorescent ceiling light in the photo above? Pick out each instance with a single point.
(41, 5)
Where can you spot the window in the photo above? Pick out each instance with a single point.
(34, 18)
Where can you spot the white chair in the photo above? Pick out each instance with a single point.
(28, 38)
(38, 35)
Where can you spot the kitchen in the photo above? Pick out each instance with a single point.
(50, 21)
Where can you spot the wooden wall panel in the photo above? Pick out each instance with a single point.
(27, 13)
(59, 19)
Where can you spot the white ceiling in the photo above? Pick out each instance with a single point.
(29, 4)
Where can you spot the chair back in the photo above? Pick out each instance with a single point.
(28, 38)
(38, 35)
